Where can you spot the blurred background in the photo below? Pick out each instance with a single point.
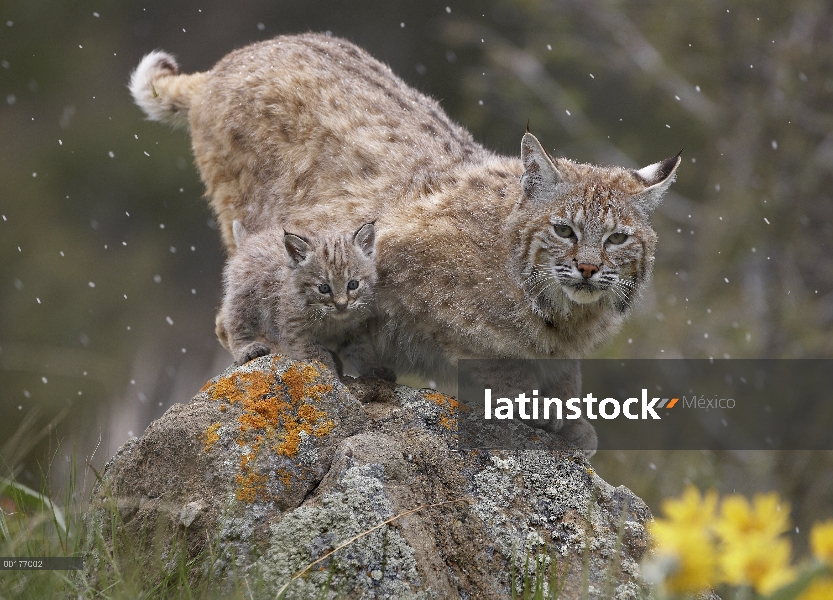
(111, 263)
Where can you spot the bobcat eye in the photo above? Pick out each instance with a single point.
(352, 284)
(564, 231)
(617, 238)
(324, 288)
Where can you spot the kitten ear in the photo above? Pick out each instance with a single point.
(365, 238)
(297, 248)
(240, 233)
(540, 174)
(657, 177)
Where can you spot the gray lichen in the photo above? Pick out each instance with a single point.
(379, 564)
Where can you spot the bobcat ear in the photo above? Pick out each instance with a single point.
(240, 233)
(365, 238)
(657, 177)
(297, 248)
(540, 174)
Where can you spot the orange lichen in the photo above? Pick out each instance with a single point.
(239, 386)
(448, 422)
(276, 411)
(289, 446)
(296, 380)
(307, 417)
(223, 408)
(323, 429)
(316, 391)
(252, 487)
(308, 412)
(251, 421)
(226, 387)
(443, 400)
(211, 436)
(285, 477)
(245, 459)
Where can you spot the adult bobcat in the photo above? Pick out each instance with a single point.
(479, 255)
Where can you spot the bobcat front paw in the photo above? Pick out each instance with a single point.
(581, 434)
(250, 352)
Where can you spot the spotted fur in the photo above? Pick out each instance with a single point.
(312, 133)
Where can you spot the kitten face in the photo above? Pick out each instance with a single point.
(334, 278)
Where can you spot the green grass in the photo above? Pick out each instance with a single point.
(32, 524)
(544, 580)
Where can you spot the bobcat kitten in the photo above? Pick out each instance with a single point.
(293, 294)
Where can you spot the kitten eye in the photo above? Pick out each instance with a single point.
(617, 238)
(352, 284)
(564, 231)
(324, 288)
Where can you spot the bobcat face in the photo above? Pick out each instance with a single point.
(335, 277)
(586, 252)
(591, 254)
(335, 294)
(589, 238)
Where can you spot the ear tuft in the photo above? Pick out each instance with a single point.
(297, 248)
(540, 175)
(365, 238)
(657, 178)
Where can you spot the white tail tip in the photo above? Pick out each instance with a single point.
(143, 87)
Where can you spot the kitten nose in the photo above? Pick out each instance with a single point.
(587, 270)
(341, 305)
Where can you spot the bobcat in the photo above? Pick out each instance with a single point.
(479, 255)
(293, 294)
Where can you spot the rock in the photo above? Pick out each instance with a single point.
(274, 465)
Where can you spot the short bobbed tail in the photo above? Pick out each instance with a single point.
(161, 91)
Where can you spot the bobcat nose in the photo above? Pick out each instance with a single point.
(587, 270)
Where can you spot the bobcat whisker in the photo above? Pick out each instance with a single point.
(539, 280)
(538, 283)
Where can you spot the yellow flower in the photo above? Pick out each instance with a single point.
(741, 523)
(691, 510)
(692, 554)
(763, 563)
(821, 541)
(820, 589)
(685, 536)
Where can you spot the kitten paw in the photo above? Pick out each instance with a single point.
(252, 351)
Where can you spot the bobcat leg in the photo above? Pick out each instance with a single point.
(238, 338)
(581, 434)
(250, 352)
(220, 330)
(363, 356)
(307, 349)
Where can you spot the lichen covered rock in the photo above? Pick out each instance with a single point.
(280, 474)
